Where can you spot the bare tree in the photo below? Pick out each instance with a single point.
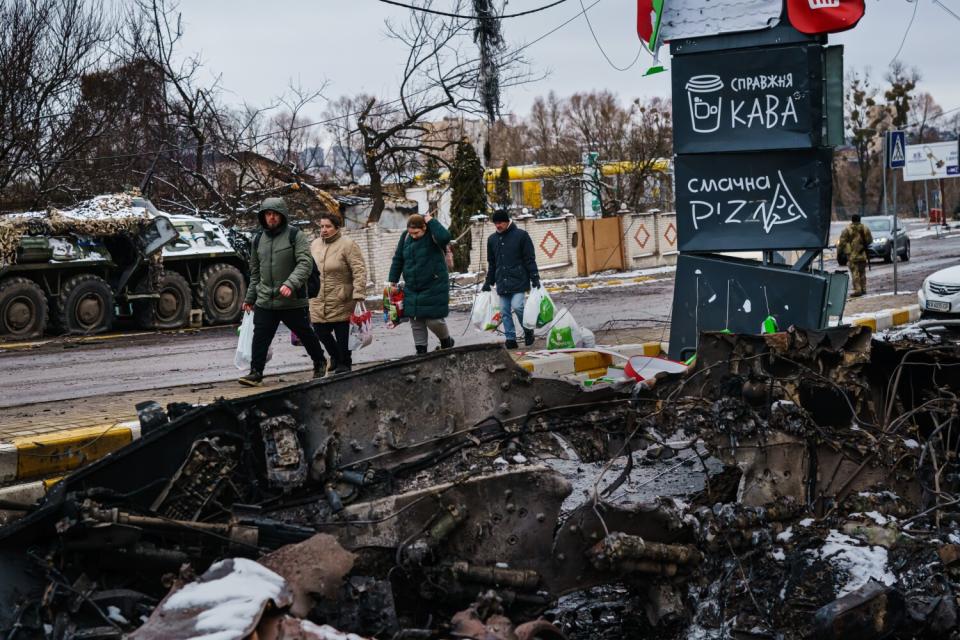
(152, 33)
(294, 141)
(866, 120)
(46, 46)
(442, 74)
(346, 149)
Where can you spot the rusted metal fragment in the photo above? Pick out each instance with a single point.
(588, 524)
(633, 552)
(198, 481)
(289, 628)
(485, 620)
(509, 516)
(314, 566)
(772, 467)
(286, 460)
(523, 580)
(227, 602)
(872, 611)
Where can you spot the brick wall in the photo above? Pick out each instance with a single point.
(552, 243)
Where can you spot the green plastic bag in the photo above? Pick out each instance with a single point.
(539, 310)
(564, 333)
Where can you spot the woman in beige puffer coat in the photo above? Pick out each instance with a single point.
(343, 283)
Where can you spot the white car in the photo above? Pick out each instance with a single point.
(940, 294)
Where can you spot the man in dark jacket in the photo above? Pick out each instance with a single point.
(512, 265)
(280, 263)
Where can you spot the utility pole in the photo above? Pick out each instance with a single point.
(894, 250)
(883, 142)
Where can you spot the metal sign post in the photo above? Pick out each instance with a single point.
(897, 159)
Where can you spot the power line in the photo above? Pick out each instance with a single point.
(946, 8)
(559, 26)
(470, 17)
(256, 138)
(600, 46)
(916, 5)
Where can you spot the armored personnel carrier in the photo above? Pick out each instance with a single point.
(76, 271)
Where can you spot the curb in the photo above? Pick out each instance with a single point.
(886, 318)
(583, 362)
(31, 457)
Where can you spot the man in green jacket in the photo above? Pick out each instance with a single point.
(280, 264)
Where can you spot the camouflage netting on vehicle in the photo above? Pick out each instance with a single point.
(304, 201)
(102, 216)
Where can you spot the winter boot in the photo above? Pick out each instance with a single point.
(511, 344)
(528, 337)
(252, 379)
(342, 368)
(319, 368)
(446, 343)
(421, 349)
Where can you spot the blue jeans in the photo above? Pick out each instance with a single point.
(508, 306)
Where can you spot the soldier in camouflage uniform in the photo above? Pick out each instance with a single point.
(854, 242)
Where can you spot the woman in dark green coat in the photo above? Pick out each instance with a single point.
(421, 259)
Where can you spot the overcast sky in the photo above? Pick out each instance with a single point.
(259, 46)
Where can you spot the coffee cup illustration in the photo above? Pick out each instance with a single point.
(703, 96)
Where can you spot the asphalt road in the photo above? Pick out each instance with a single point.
(63, 370)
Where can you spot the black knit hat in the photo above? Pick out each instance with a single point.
(500, 215)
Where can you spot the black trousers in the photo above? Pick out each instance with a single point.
(265, 323)
(335, 338)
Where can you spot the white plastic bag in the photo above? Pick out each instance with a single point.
(486, 314)
(564, 332)
(361, 328)
(243, 358)
(539, 310)
(587, 339)
(244, 355)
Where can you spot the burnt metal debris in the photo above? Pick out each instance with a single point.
(790, 485)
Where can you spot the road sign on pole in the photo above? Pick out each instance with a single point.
(896, 149)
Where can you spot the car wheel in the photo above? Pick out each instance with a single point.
(220, 294)
(23, 309)
(888, 256)
(171, 310)
(85, 305)
(905, 257)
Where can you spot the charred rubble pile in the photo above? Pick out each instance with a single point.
(791, 485)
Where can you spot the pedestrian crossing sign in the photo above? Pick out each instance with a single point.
(896, 150)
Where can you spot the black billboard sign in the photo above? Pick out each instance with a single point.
(717, 293)
(753, 201)
(748, 100)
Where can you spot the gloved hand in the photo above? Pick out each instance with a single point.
(486, 287)
(535, 283)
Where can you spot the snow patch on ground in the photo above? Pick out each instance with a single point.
(860, 563)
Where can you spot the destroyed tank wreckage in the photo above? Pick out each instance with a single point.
(790, 485)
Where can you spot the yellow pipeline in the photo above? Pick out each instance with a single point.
(539, 172)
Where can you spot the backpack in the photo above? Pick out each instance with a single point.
(313, 280)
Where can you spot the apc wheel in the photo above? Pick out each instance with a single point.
(85, 305)
(220, 294)
(171, 310)
(23, 309)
